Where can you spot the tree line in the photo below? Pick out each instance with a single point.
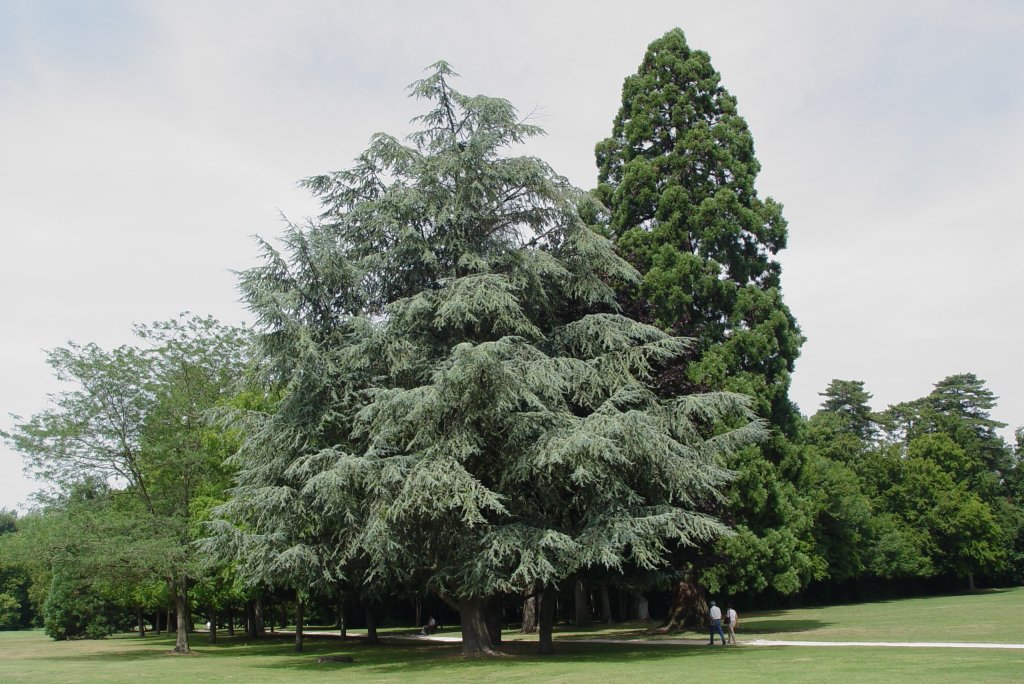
(473, 388)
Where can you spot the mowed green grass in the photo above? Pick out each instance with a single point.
(32, 657)
(993, 616)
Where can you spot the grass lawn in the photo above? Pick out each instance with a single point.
(991, 616)
(32, 657)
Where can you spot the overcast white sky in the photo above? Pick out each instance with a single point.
(142, 144)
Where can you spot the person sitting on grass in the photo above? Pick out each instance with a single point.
(430, 627)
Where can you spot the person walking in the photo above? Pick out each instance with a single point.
(732, 619)
(716, 624)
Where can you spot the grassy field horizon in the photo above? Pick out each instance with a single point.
(995, 616)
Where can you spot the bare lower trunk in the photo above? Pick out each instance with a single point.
(580, 596)
(298, 622)
(371, 625)
(689, 607)
(213, 624)
(624, 612)
(259, 626)
(231, 621)
(167, 622)
(180, 592)
(495, 615)
(142, 622)
(642, 612)
(970, 581)
(606, 605)
(529, 615)
(476, 637)
(418, 609)
(546, 622)
(343, 630)
(254, 618)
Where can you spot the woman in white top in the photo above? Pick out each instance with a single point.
(731, 619)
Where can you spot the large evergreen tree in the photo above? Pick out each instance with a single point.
(678, 176)
(460, 401)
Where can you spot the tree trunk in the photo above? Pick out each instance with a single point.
(231, 621)
(476, 637)
(213, 624)
(341, 620)
(624, 612)
(250, 621)
(167, 622)
(970, 581)
(689, 607)
(529, 615)
(495, 618)
(371, 626)
(606, 605)
(546, 622)
(142, 622)
(642, 612)
(259, 627)
(418, 608)
(254, 618)
(580, 596)
(180, 592)
(298, 621)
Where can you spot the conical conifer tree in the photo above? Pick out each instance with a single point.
(678, 176)
(459, 397)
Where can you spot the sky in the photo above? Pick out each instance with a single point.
(143, 145)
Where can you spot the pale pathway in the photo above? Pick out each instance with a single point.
(892, 644)
(753, 642)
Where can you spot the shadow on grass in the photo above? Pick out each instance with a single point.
(783, 626)
(389, 658)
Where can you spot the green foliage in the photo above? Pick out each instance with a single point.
(934, 472)
(74, 610)
(847, 400)
(15, 607)
(131, 448)
(10, 612)
(678, 175)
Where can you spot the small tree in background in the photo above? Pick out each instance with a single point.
(134, 419)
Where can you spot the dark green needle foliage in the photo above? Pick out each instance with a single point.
(461, 406)
(678, 176)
